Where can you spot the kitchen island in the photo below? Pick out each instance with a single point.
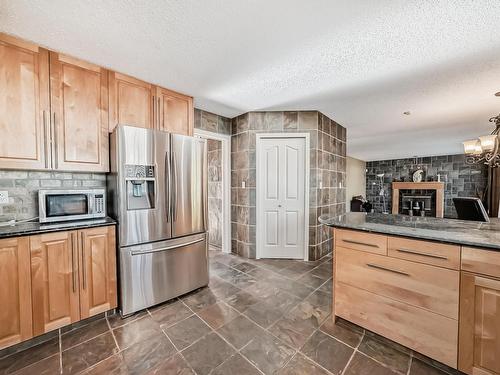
(430, 284)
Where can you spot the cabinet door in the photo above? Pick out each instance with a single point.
(97, 270)
(479, 340)
(131, 102)
(79, 102)
(54, 280)
(175, 112)
(24, 105)
(15, 291)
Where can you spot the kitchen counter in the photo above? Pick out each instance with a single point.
(34, 227)
(468, 233)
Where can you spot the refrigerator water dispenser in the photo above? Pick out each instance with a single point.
(140, 187)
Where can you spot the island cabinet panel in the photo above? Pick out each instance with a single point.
(428, 287)
(79, 102)
(479, 325)
(437, 254)
(24, 105)
(481, 261)
(54, 277)
(428, 333)
(132, 102)
(176, 113)
(97, 271)
(372, 243)
(15, 291)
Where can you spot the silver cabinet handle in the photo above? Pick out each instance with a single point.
(73, 259)
(84, 266)
(387, 269)
(360, 243)
(45, 140)
(158, 110)
(407, 251)
(54, 142)
(166, 248)
(154, 112)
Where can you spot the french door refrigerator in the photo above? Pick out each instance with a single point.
(157, 191)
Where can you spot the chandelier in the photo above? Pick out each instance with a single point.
(485, 149)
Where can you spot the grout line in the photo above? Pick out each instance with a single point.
(353, 353)
(112, 334)
(410, 363)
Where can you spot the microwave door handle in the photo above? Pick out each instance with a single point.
(91, 203)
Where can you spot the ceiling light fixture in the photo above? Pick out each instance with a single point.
(486, 148)
(497, 93)
(407, 113)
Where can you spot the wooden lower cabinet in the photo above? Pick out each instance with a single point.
(15, 291)
(73, 276)
(97, 271)
(479, 349)
(54, 280)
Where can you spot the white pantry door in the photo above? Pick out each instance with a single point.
(281, 189)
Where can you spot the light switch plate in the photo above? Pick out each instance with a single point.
(4, 197)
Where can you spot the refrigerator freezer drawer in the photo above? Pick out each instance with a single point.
(156, 272)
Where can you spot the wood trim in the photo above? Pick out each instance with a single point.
(6, 38)
(432, 185)
(481, 261)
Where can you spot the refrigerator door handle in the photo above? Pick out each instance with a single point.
(168, 201)
(166, 248)
(174, 187)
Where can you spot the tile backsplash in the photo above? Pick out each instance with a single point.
(23, 187)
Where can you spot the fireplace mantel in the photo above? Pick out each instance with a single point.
(431, 185)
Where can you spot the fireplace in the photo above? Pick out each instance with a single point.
(418, 198)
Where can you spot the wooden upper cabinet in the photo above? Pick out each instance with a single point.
(54, 280)
(24, 104)
(79, 102)
(15, 291)
(176, 113)
(479, 343)
(131, 102)
(97, 270)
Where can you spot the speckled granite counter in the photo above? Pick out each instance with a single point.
(469, 233)
(34, 227)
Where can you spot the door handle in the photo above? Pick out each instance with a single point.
(54, 143)
(84, 266)
(174, 187)
(387, 269)
(133, 253)
(167, 187)
(360, 243)
(45, 140)
(73, 258)
(407, 251)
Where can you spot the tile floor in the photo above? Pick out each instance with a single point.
(256, 317)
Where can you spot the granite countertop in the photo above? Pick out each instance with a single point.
(34, 227)
(469, 233)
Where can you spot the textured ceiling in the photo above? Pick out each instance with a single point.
(361, 62)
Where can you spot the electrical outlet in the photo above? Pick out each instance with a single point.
(4, 197)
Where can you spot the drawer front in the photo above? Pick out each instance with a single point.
(372, 243)
(486, 262)
(436, 254)
(428, 287)
(431, 334)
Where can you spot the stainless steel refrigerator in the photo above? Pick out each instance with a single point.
(157, 191)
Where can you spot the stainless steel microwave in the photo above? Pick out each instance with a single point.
(64, 205)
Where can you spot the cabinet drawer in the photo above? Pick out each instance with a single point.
(436, 254)
(431, 334)
(486, 262)
(428, 287)
(372, 243)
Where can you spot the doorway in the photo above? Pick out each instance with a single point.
(282, 162)
(219, 189)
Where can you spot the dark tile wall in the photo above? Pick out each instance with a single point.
(327, 163)
(211, 122)
(461, 179)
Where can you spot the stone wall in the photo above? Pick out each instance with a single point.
(461, 179)
(211, 122)
(215, 193)
(23, 189)
(327, 163)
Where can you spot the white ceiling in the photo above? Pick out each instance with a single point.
(361, 62)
